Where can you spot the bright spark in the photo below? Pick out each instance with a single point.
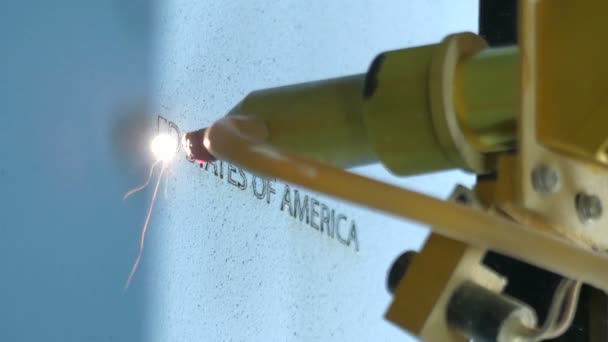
(164, 147)
(142, 238)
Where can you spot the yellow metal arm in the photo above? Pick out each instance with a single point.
(241, 140)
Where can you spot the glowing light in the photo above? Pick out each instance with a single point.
(164, 147)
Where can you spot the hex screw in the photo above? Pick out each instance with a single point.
(588, 207)
(545, 179)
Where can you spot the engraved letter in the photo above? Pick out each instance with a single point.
(287, 200)
(332, 224)
(214, 167)
(325, 218)
(353, 236)
(244, 185)
(301, 207)
(314, 213)
(270, 190)
(232, 170)
(340, 238)
(178, 135)
(254, 182)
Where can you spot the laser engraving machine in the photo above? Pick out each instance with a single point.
(522, 255)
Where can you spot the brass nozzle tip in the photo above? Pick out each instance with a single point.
(194, 147)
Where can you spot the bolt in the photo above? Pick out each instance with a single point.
(545, 179)
(462, 195)
(399, 269)
(588, 207)
(463, 198)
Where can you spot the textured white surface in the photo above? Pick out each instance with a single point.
(222, 264)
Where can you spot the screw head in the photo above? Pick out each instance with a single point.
(545, 179)
(588, 207)
(398, 270)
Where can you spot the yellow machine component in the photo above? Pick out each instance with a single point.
(436, 305)
(398, 113)
(487, 98)
(444, 305)
(320, 120)
(422, 295)
(572, 116)
(560, 179)
(530, 118)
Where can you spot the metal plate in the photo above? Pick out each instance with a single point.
(558, 75)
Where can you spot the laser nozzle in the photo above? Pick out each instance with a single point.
(195, 148)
